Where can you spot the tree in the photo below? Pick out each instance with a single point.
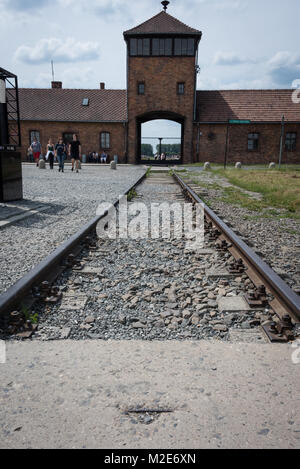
(146, 149)
(169, 148)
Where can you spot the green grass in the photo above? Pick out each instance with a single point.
(279, 189)
(131, 194)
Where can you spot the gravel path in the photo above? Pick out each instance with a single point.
(73, 200)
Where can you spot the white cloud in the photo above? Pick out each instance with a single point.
(230, 58)
(284, 68)
(58, 50)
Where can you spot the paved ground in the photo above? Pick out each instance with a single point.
(66, 394)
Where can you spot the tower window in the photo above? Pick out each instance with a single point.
(290, 141)
(184, 46)
(253, 140)
(180, 88)
(139, 47)
(162, 46)
(141, 88)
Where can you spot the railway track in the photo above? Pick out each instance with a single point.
(152, 288)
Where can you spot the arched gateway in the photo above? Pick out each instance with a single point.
(162, 56)
(161, 116)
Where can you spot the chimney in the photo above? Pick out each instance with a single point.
(56, 84)
(102, 86)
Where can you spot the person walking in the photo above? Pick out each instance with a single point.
(30, 155)
(50, 153)
(36, 149)
(75, 152)
(60, 152)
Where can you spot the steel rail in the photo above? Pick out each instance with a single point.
(12, 297)
(282, 290)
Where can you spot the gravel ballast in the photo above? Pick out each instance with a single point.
(152, 289)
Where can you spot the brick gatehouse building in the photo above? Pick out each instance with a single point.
(162, 66)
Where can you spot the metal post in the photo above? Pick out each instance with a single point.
(3, 114)
(226, 147)
(160, 140)
(281, 141)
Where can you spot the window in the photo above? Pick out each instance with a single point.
(105, 140)
(32, 134)
(162, 46)
(85, 102)
(180, 88)
(290, 141)
(140, 47)
(141, 87)
(184, 46)
(253, 142)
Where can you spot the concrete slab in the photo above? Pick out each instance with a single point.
(67, 394)
(232, 304)
(74, 302)
(248, 335)
(222, 273)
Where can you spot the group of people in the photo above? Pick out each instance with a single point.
(59, 152)
(94, 157)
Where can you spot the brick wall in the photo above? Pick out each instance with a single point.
(213, 141)
(161, 75)
(88, 134)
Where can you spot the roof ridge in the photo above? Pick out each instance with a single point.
(248, 89)
(74, 89)
(162, 14)
(144, 22)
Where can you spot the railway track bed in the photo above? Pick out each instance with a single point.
(155, 289)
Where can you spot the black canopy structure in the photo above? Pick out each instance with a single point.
(11, 186)
(10, 133)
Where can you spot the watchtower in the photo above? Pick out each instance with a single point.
(162, 57)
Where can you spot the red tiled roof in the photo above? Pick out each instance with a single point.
(254, 105)
(66, 105)
(162, 23)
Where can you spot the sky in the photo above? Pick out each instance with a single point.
(246, 43)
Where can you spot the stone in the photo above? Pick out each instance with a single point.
(207, 165)
(65, 332)
(89, 320)
(138, 325)
(42, 164)
(159, 323)
(272, 166)
(186, 314)
(165, 314)
(195, 319)
(122, 319)
(238, 165)
(220, 327)
(113, 165)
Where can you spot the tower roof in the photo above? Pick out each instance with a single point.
(162, 23)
